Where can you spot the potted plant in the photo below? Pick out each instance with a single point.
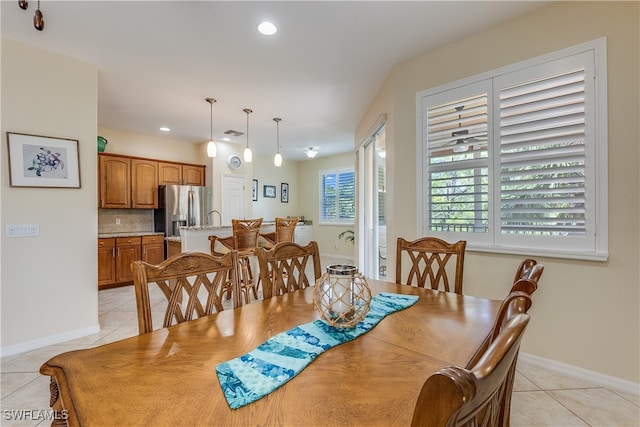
(347, 235)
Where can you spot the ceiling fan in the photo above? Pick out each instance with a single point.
(461, 145)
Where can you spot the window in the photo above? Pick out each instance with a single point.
(515, 160)
(337, 196)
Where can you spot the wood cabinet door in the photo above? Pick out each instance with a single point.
(127, 250)
(106, 262)
(193, 174)
(173, 248)
(115, 182)
(144, 178)
(169, 173)
(153, 249)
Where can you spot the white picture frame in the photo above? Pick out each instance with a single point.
(43, 161)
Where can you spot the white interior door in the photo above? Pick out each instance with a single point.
(234, 198)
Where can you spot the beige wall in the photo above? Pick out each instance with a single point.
(49, 282)
(585, 314)
(267, 174)
(154, 147)
(325, 235)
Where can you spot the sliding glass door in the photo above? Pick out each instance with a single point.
(373, 226)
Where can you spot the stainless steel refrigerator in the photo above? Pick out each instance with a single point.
(182, 205)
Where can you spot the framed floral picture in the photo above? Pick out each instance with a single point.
(284, 192)
(43, 161)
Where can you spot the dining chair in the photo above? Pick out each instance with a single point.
(244, 240)
(284, 232)
(283, 268)
(431, 258)
(192, 284)
(456, 396)
(530, 270)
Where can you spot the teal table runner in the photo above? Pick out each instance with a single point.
(252, 376)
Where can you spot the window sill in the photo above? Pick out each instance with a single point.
(593, 256)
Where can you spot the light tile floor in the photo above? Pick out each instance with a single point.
(541, 397)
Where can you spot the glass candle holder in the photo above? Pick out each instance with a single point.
(342, 296)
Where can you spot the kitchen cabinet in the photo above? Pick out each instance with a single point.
(173, 248)
(169, 173)
(180, 174)
(132, 182)
(303, 234)
(153, 249)
(106, 261)
(144, 184)
(128, 249)
(115, 182)
(193, 174)
(115, 255)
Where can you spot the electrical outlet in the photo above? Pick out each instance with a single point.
(117, 221)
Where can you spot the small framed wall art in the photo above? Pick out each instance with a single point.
(284, 192)
(254, 191)
(269, 191)
(43, 161)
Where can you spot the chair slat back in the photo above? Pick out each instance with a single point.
(245, 233)
(285, 229)
(456, 396)
(245, 240)
(192, 284)
(429, 258)
(283, 268)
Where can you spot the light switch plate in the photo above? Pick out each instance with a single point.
(23, 230)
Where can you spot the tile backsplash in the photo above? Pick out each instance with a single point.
(130, 220)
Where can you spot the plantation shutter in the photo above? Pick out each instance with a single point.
(546, 179)
(515, 160)
(346, 196)
(337, 196)
(457, 173)
(328, 194)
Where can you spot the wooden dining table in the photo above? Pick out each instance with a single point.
(168, 378)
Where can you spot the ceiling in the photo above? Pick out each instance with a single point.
(157, 61)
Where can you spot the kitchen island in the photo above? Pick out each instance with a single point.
(197, 238)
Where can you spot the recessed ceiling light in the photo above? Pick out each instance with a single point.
(165, 129)
(267, 28)
(226, 139)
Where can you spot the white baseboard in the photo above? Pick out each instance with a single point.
(52, 340)
(585, 374)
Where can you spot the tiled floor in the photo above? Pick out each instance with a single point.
(540, 398)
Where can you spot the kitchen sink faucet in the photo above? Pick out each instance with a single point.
(219, 215)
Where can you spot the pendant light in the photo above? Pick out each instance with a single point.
(277, 159)
(38, 20)
(212, 150)
(247, 151)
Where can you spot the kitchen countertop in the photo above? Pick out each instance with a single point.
(129, 234)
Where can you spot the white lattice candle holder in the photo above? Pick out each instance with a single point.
(342, 296)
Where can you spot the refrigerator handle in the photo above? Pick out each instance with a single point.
(190, 219)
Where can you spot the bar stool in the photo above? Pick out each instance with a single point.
(245, 241)
(285, 229)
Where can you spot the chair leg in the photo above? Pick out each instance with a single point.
(252, 285)
(245, 279)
